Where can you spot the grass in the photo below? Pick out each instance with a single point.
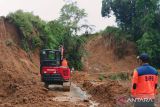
(101, 77)
(119, 76)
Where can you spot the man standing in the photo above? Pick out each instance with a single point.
(144, 83)
(64, 62)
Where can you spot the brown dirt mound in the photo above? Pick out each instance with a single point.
(8, 31)
(101, 58)
(79, 77)
(20, 84)
(105, 93)
(18, 75)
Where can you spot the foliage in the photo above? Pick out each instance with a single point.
(132, 16)
(123, 10)
(73, 45)
(101, 77)
(61, 35)
(36, 33)
(119, 76)
(71, 15)
(140, 19)
(57, 34)
(29, 27)
(36, 42)
(150, 43)
(116, 32)
(74, 51)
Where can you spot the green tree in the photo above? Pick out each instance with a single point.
(71, 15)
(132, 16)
(140, 18)
(36, 33)
(58, 31)
(31, 29)
(124, 10)
(150, 43)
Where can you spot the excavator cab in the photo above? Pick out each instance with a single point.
(51, 70)
(50, 57)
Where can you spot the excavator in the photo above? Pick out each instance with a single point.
(51, 70)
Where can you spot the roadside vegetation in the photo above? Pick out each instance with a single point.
(37, 33)
(119, 76)
(138, 21)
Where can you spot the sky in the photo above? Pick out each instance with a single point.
(50, 10)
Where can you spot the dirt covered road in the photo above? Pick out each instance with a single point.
(20, 84)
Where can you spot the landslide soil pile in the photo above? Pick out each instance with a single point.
(18, 70)
(105, 92)
(101, 58)
(104, 71)
(20, 84)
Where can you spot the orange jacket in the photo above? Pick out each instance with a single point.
(144, 82)
(64, 63)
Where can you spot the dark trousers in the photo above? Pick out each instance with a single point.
(144, 104)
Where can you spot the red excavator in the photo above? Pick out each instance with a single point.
(51, 70)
